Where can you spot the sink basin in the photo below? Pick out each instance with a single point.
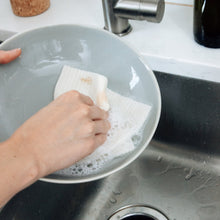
(177, 175)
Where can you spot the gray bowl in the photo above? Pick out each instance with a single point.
(27, 84)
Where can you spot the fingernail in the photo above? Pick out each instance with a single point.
(19, 49)
(16, 49)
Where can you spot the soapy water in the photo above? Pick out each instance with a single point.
(88, 167)
(96, 161)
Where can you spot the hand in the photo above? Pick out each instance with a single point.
(8, 56)
(67, 130)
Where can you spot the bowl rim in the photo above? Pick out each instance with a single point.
(150, 72)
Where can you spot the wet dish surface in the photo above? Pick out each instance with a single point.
(27, 84)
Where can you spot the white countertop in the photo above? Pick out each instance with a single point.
(167, 47)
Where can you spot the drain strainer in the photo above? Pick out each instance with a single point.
(137, 212)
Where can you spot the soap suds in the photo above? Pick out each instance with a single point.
(126, 117)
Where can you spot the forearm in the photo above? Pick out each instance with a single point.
(17, 170)
(67, 130)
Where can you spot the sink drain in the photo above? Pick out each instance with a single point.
(137, 212)
(138, 217)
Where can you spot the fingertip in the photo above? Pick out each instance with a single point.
(10, 55)
(109, 125)
(103, 138)
(105, 114)
(17, 52)
(100, 139)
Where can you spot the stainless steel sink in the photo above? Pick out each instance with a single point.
(177, 176)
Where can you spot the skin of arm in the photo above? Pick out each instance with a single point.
(60, 134)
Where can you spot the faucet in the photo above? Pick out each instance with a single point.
(117, 13)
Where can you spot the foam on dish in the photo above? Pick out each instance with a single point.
(126, 116)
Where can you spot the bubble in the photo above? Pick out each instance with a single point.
(122, 139)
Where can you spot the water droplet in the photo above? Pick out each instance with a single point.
(159, 158)
(190, 174)
(89, 165)
(116, 192)
(113, 200)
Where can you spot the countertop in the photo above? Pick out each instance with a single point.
(168, 46)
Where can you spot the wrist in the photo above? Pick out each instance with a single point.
(23, 169)
(17, 170)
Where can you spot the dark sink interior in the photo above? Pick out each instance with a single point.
(178, 173)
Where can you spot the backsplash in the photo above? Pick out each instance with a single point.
(167, 47)
(180, 2)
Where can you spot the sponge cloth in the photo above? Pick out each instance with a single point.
(126, 115)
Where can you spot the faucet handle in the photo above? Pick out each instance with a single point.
(117, 13)
(152, 10)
